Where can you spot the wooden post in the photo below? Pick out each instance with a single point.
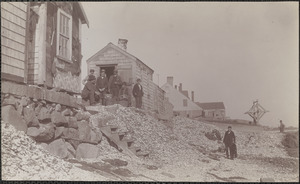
(27, 43)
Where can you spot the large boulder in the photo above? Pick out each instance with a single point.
(58, 132)
(71, 150)
(58, 148)
(33, 132)
(58, 119)
(30, 117)
(84, 130)
(81, 115)
(72, 133)
(85, 150)
(9, 100)
(47, 133)
(44, 115)
(67, 112)
(10, 115)
(95, 136)
(24, 101)
(73, 122)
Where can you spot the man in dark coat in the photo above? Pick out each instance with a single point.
(114, 84)
(138, 93)
(101, 86)
(88, 92)
(92, 71)
(229, 140)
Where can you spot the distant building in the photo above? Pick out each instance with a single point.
(183, 105)
(130, 68)
(214, 110)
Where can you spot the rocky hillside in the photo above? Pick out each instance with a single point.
(53, 148)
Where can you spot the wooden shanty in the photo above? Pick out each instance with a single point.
(41, 43)
(130, 68)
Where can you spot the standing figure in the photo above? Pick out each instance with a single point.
(114, 84)
(87, 77)
(138, 93)
(229, 141)
(281, 127)
(101, 86)
(88, 92)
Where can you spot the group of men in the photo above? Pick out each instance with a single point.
(95, 89)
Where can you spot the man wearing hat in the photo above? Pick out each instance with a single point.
(101, 86)
(229, 141)
(87, 77)
(114, 84)
(88, 92)
(138, 93)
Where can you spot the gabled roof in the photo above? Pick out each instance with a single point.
(211, 105)
(82, 15)
(176, 99)
(120, 50)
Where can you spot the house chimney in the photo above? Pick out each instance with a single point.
(176, 87)
(122, 43)
(170, 80)
(193, 96)
(180, 86)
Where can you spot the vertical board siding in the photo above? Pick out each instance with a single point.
(13, 33)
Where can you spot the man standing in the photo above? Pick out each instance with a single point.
(229, 140)
(88, 92)
(138, 93)
(281, 127)
(87, 77)
(114, 84)
(101, 86)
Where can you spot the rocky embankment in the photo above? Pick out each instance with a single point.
(49, 141)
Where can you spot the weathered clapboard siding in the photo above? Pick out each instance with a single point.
(130, 69)
(13, 36)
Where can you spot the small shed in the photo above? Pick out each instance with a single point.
(215, 110)
(130, 68)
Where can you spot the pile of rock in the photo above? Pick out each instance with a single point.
(167, 142)
(23, 159)
(63, 131)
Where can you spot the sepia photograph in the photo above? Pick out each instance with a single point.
(150, 91)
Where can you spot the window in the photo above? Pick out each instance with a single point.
(185, 102)
(64, 35)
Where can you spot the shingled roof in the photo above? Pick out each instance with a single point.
(211, 105)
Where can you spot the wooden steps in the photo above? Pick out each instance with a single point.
(122, 142)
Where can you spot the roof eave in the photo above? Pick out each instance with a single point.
(84, 17)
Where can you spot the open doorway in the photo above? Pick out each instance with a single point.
(109, 69)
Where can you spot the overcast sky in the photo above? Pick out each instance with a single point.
(229, 52)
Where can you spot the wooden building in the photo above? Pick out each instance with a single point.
(214, 110)
(42, 43)
(183, 105)
(14, 24)
(130, 68)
